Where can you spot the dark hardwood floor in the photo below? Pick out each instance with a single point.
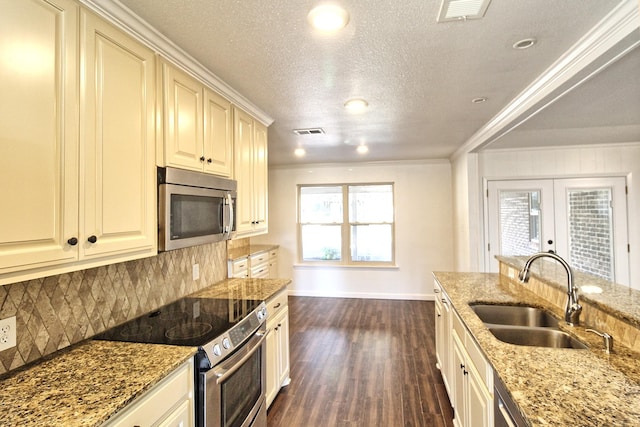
(361, 362)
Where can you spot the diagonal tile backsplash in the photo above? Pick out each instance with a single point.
(57, 311)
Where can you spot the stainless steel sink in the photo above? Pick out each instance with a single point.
(536, 337)
(514, 315)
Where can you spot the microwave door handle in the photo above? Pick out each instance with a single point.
(229, 225)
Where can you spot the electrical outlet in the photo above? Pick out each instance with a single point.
(8, 333)
(196, 271)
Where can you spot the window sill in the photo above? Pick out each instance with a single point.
(347, 266)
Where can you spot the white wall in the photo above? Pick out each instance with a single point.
(614, 159)
(424, 230)
(466, 187)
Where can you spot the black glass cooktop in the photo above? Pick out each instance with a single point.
(188, 322)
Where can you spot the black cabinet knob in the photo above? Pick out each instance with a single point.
(209, 160)
(92, 239)
(72, 241)
(202, 159)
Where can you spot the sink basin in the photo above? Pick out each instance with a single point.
(535, 337)
(514, 315)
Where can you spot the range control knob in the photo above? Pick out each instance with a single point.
(217, 350)
(226, 343)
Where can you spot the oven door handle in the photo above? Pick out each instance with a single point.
(222, 373)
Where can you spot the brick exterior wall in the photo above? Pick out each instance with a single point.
(514, 224)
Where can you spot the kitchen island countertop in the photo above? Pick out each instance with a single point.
(87, 383)
(551, 387)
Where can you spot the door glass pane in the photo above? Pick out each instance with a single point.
(320, 205)
(371, 242)
(590, 231)
(520, 225)
(321, 242)
(370, 203)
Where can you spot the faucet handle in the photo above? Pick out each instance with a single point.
(608, 339)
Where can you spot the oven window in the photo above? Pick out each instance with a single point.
(194, 216)
(241, 391)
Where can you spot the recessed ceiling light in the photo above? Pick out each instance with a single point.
(524, 44)
(479, 100)
(362, 149)
(300, 152)
(356, 105)
(328, 17)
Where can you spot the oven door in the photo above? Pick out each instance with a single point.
(234, 390)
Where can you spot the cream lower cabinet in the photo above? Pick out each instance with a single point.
(277, 345)
(472, 380)
(443, 335)
(197, 125)
(273, 264)
(259, 265)
(250, 170)
(170, 403)
(77, 142)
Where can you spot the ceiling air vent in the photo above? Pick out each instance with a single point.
(456, 10)
(309, 131)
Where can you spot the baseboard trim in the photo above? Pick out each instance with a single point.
(361, 295)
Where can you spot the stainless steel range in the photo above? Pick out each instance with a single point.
(231, 359)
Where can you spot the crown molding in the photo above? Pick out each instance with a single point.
(122, 17)
(613, 28)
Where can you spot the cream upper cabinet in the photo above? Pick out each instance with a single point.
(218, 134)
(38, 133)
(196, 124)
(77, 142)
(117, 99)
(250, 166)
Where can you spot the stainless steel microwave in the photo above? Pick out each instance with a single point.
(194, 208)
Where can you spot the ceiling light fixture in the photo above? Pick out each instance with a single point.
(479, 100)
(328, 17)
(300, 152)
(356, 105)
(362, 149)
(524, 43)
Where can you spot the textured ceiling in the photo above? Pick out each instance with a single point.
(418, 76)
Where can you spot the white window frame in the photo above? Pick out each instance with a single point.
(345, 233)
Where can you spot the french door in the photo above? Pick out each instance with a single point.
(584, 220)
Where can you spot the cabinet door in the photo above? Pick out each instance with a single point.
(243, 170)
(118, 142)
(260, 178)
(38, 133)
(183, 127)
(479, 404)
(283, 347)
(458, 383)
(218, 134)
(272, 366)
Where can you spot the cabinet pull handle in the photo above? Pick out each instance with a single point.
(92, 239)
(461, 366)
(277, 306)
(209, 161)
(437, 291)
(439, 315)
(72, 241)
(202, 158)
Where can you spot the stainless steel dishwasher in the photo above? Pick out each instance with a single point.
(506, 412)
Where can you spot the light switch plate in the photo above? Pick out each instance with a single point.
(7, 333)
(196, 271)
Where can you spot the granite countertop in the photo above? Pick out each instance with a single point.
(246, 251)
(87, 383)
(256, 289)
(551, 387)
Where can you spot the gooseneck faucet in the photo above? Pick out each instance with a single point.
(573, 308)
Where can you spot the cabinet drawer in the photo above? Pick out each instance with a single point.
(161, 401)
(458, 326)
(273, 253)
(277, 303)
(239, 268)
(259, 258)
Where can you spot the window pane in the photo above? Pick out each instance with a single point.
(370, 203)
(591, 232)
(320, 205)
(371, 243)
(321, 242)
(519, 222)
